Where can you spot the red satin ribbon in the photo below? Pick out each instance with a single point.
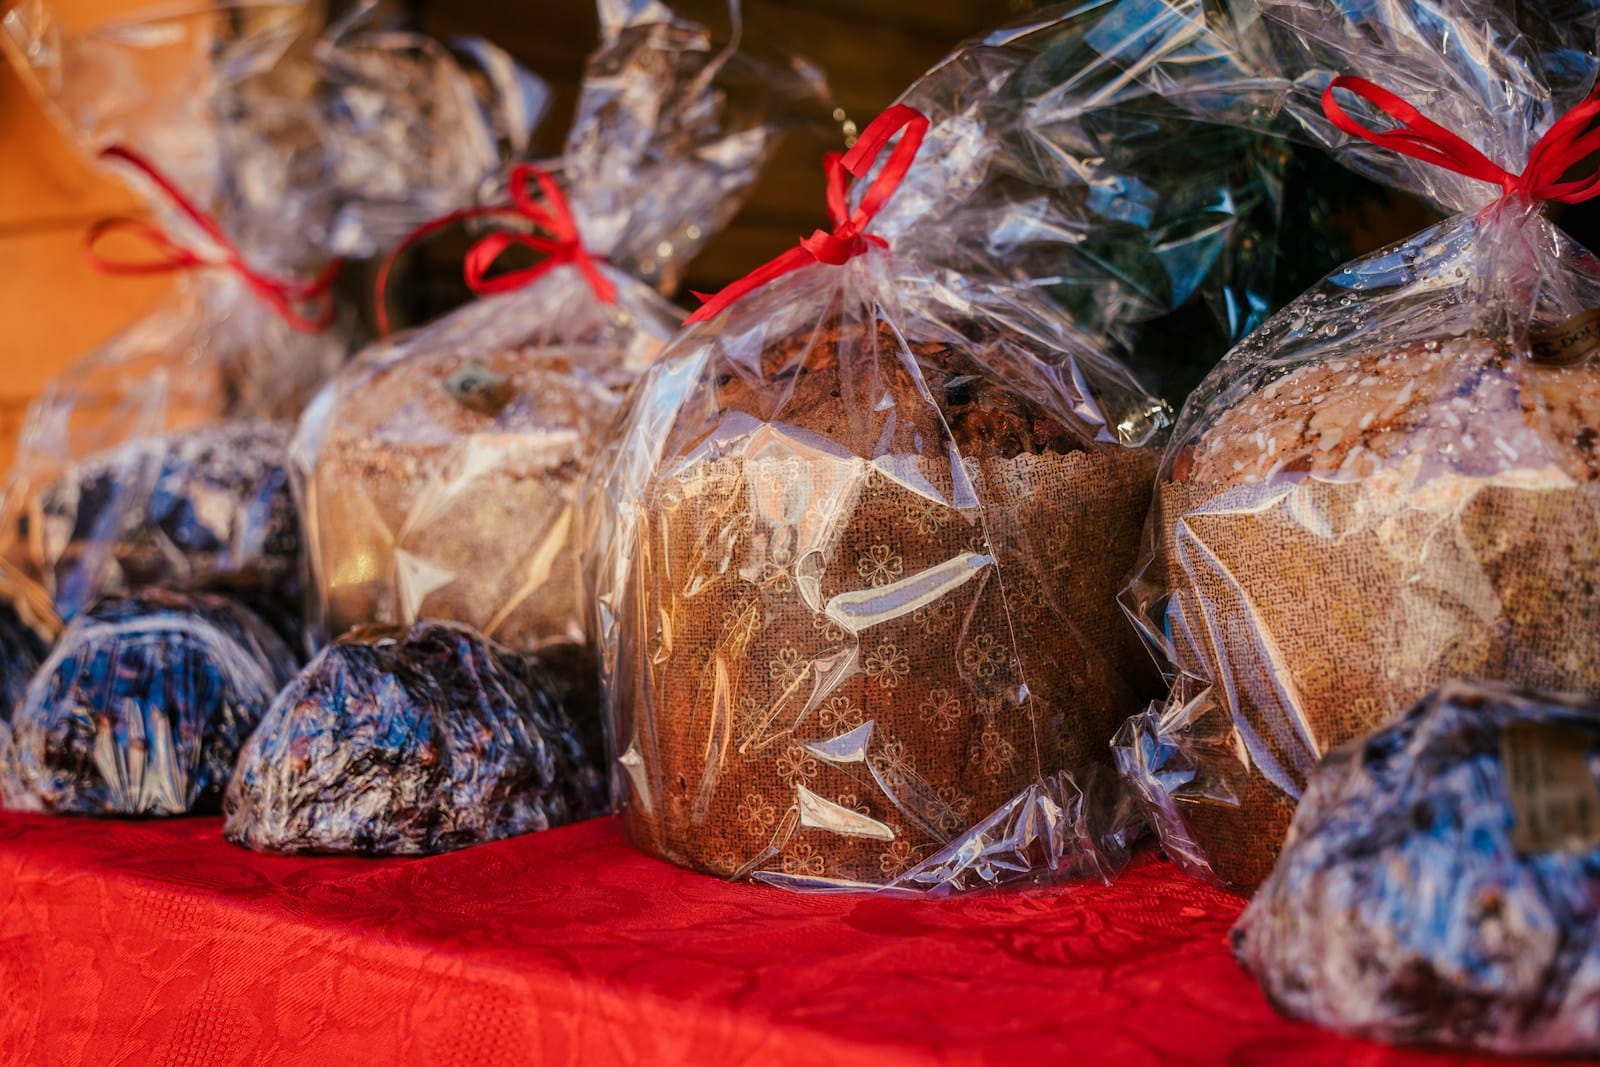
(1568, 142)
(558, 242)
(847, 239)
(285, 295)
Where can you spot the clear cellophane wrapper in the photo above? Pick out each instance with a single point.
(1386, 485)
(856, 550)
(142, 707)
(1440, 884)
(161, 456)
(440, 470)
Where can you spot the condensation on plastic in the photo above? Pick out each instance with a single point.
(1379, 489)
(292, 143)
(1403, 908)
(857, 547)
(142, 707)
(395, 742)
(440, 470)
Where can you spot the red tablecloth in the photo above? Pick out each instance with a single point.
(157, 942)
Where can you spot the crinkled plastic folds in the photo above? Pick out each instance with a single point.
(293, 143)
(142, 707)
(440, 470)
(857, 549)
(408, 742)
(1441, 883)
(1384, 487)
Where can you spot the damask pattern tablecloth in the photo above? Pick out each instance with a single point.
(159, 943)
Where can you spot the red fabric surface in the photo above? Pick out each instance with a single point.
(157, 942)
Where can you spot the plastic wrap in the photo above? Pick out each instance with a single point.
(1441, 883)
(21, 652)
(857, 549)
(398, 742)
(260, 149)
(142, 707)
(440, 470)
(1394, 480)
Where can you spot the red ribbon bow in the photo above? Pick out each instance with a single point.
(558, 242)
(285, 295)
(847, 239)
(1568, 142)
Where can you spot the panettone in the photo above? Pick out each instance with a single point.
(142, 707)
(1352, 534)
(203, 508)
(445, 485)
(872, 601)
(1441, 885)
(407, 742)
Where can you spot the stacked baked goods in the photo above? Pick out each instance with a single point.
(847, 654)
(441, 470)
(1441, 885)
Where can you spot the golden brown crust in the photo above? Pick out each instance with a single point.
(1461, 405)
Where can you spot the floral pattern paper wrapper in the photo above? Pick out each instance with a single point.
(856, 549)
(1432, 891)
(1384, 487)
(248, 110)
(440, 469)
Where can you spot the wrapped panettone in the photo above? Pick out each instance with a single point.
(263, 151)
(856, 549)
(844, 658)
(1441, 883)
(218, 512)
(142, 707)
(1393, 482)
(440, 471)
(397, 742)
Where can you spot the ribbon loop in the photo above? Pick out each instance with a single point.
(847, 239)
(555, 238)
(305, 304)
(1569, 141)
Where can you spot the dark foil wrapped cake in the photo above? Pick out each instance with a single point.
(142, 707)
(1441, 882)
(397, 742)
(21, 651)
(209, 507)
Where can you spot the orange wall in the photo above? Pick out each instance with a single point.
(53, 307)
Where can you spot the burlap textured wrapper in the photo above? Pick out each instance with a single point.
(840, 672)
(1304, 612)
(448, 490)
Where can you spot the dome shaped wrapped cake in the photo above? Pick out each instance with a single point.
(1441, 884)
(142, 707)
(412, 742)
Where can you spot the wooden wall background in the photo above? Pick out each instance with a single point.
(53, 307)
